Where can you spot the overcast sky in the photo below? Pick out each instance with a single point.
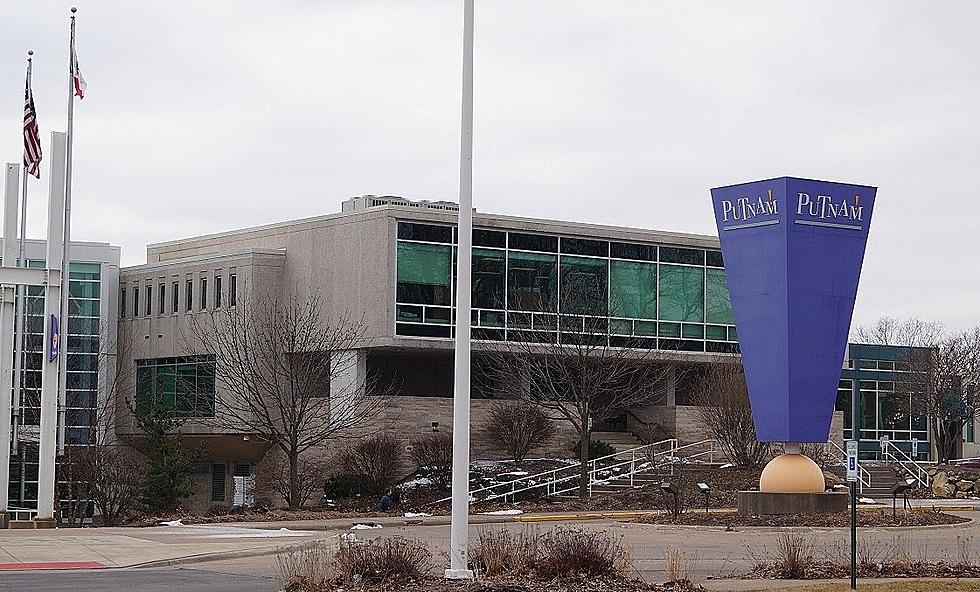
(208, 116)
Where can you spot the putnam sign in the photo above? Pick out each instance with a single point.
(793, 251)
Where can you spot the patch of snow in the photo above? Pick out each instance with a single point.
(838, 486)
(503, 513)
(514, 474)
(866, 500)
(417, 515)
(726, 466)
(418, 482)
(348, 537)
(366, 526)
(171, 523)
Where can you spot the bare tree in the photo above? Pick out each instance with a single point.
(721, 402)
(311, 473)
(516, 427)
(277, 362)
(909, 332)
(583, 372)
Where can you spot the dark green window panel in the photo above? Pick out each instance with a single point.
(681, 293)
(429, 233)
(489, 278)
(633, 251)
(584, 285)
(519, 320)
(84, 289)
(84, 271)
(633, 289)
(571, 324)
(620, 327)
(423, 273)
(422, 330)
(584, 246)
(719, 305)
(679, 255)
(533, 242)
(184, 386)
(532, 282)
(714, 259)
(716, 333)
(412, 314)
(491, 318)
(489, 238)
(83, 362)
(545, 322)
(692, 331)
(82, 308)
(83, 326)
(670, 329)
(645, 328)
(439, 316)
(732, 334)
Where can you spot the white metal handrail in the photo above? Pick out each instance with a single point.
(919, 473)
(864, 475)
(562, 479)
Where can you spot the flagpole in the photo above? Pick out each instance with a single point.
(66, 248)
(459, 525)
(21, 304)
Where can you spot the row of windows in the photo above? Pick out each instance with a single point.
(431, 233)
(164, 304)
(184, 386)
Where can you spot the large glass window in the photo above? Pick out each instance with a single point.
(489, 278)
(584, 284)
(718, 303)
(632, 289)
(184, 386)
(424, 273)
(532, 281)
(681, 293)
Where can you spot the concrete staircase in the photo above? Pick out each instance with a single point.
(883, 478)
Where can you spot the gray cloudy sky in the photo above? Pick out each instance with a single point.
(207, 116)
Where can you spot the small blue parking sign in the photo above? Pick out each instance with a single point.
(852, 460)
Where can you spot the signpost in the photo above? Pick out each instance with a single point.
(852, 477)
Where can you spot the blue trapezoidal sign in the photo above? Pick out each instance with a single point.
(793, 250)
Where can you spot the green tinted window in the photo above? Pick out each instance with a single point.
(632, 290)
(718, 308)
(681, 293)
(488, 278)
(532, 282)
(424, 273)
(583, 285)
(84, 271)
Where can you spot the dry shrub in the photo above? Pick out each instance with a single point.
(376, 461)
(500, 551)
(517, 427)
(566, 552)
(306, 568)
(676, 566)
(432, 454)
(383, 561)
(964, 552)
(794, 556)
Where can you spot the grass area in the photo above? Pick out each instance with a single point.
(903, 586)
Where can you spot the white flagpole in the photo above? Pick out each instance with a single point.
(459, 529)
(21, 306)
(66, 247)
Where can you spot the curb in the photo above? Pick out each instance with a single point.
(216, 556)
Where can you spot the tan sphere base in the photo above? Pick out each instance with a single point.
(791, 473)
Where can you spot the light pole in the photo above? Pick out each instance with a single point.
(459, 529)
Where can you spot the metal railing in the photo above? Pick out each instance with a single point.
(864, 475)
(619, 466)
(891, 452)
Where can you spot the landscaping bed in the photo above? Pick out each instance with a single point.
(866, 518)
(514, 584)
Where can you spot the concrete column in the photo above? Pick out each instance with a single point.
(671, 387)
(347, 382)
(7, 317)
(48, 435)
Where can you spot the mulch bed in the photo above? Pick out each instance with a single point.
(876, 518)
(521, 584)
(825, 570)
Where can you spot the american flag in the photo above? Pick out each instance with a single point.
(32, 137)
(76, 76)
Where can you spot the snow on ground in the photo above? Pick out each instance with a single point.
(225, 531)
(866, 500)
(171, 523)
(366, 526)
(413, 483)
(503, 513)
(417, 515)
